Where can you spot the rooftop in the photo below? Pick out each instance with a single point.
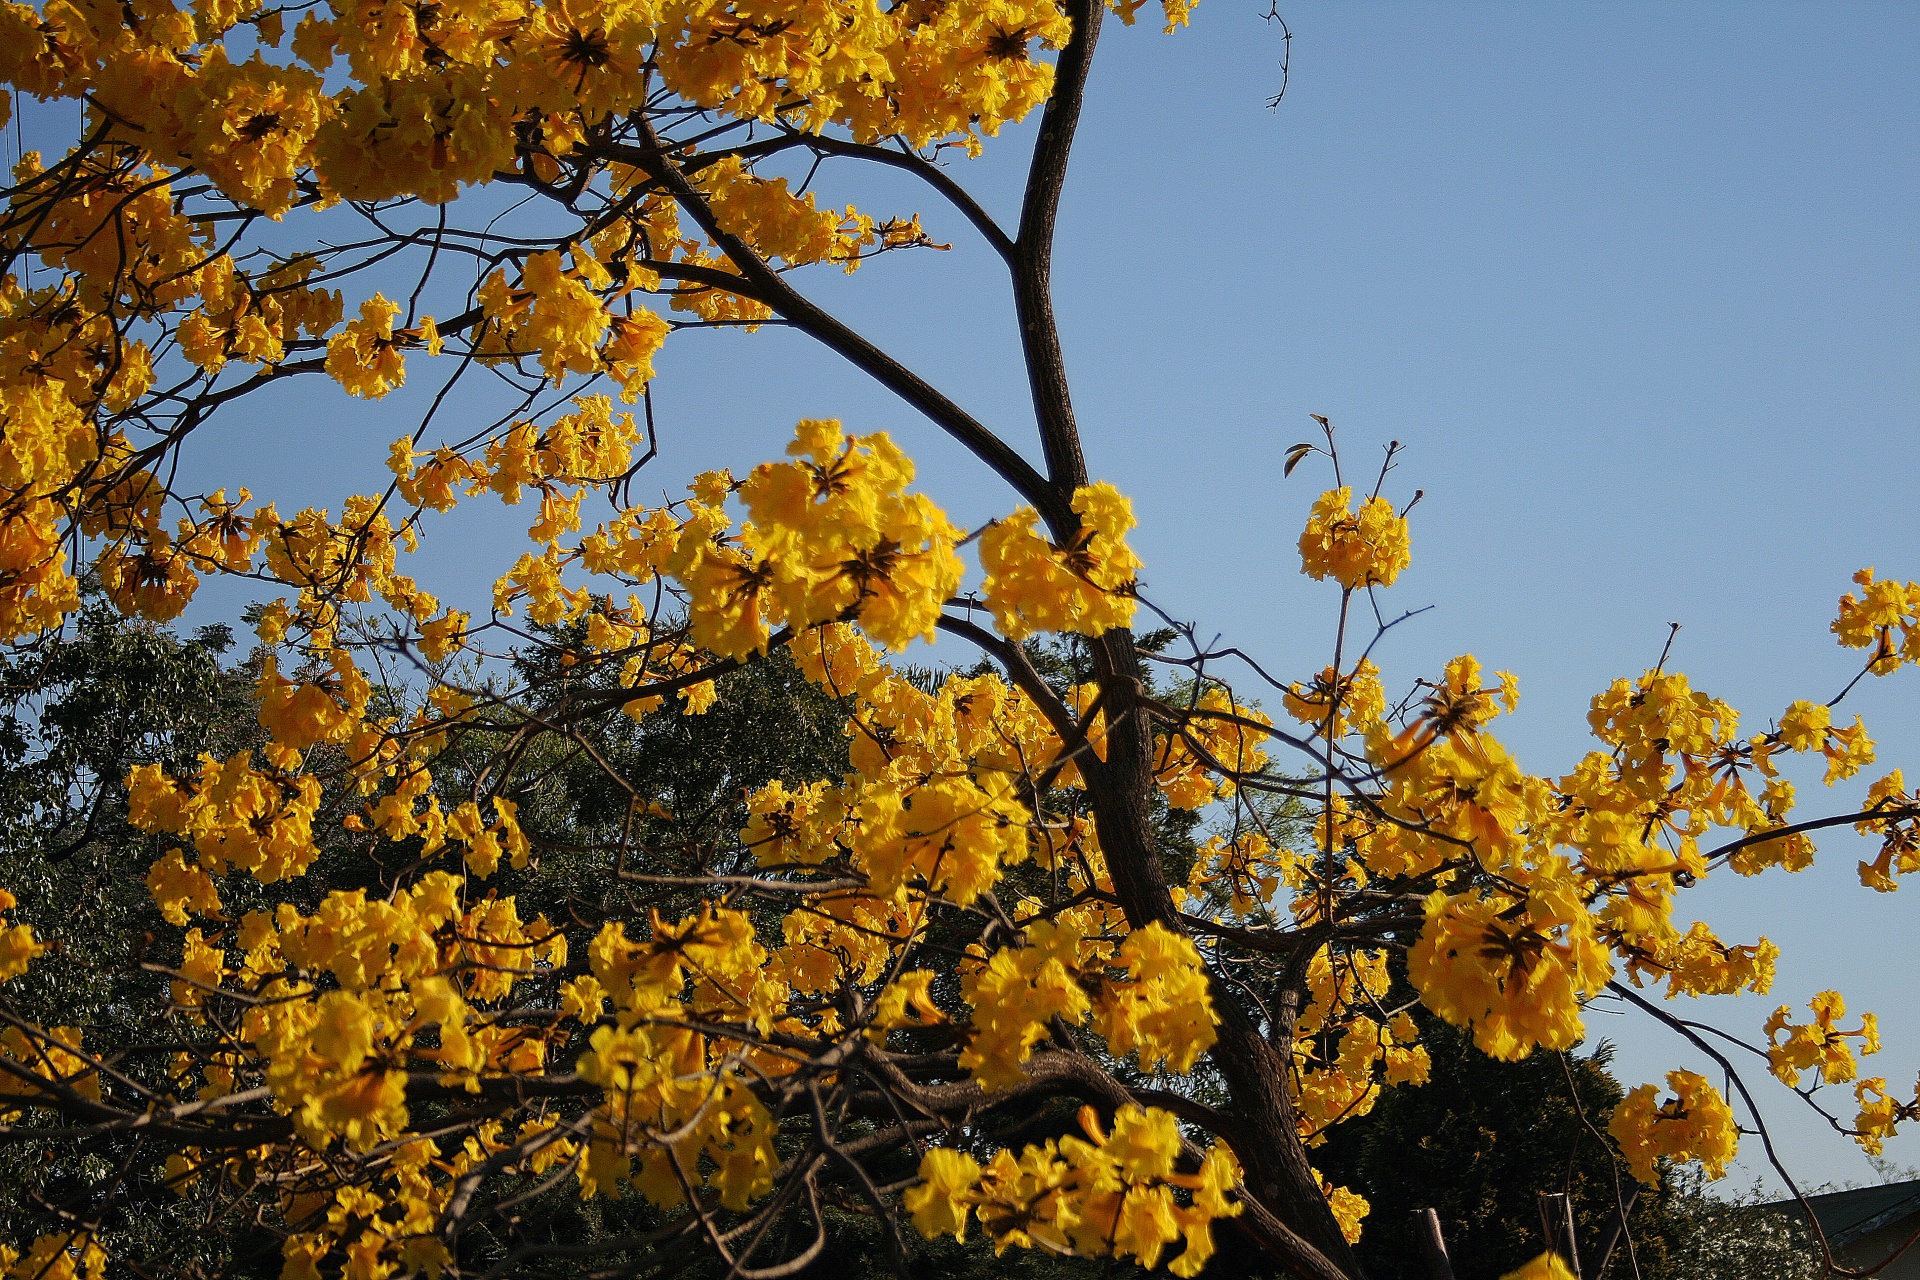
(1846, 1216)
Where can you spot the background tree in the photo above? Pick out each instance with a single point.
(1479, 1143)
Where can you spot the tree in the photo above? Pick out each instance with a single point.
(1722, 1237)
(979, 980)
(1478, 1143)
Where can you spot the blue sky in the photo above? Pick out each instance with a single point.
(1634, 284)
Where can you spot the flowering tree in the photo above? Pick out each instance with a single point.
(864, 995)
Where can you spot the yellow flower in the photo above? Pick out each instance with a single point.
(156, 581)
(1694, 1124)
(1219, 737)
(176, 887)
(1870, 621)
(1818, 1045)
(1880, 1113)
(952, 834)
(17, 945)
(1085, 587)
(1163, 1009)
(1516, 980)
(1014, 995)
(251, 126)
(364, 358)
(1365, 550)
(65, 1255)
(1350, 1208)
(1548, 1266)
(941, 1201)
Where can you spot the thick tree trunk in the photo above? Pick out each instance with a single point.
(1275, 1161)
(1297, 1228)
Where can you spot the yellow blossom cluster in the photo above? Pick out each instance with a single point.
(1347, 1046)
(337, 1059)
(1086, 586)
(674, 1100)
(1333, 705)
(663, 1112)
(1880, 1113)
(1515, 971)
(1450, 787)
(252, 320)
(1899, 833)
(557, 314)
(1160, 1011)
(387, 1226)
(783, 227)
(1697, 963)
(1819, 1045)
(1014, 995)
(1807, 726)
(38, 1064)
(1244, 871)
(591, 445)
(62, 1255)
(235, 816)
(1350, 1209)
(1694, 1124)
(834, 536)
(1368, 549)
(1883, 619)
(1109, 1194)
(935, 801)
(17, 944)
(1219, 741)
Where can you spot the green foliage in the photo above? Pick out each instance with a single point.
(1721, 1236)
(1478, 1143)
(81, 708)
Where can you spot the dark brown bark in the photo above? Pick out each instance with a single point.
(1308, 1240)
(1278, 1173)
(1033, 265)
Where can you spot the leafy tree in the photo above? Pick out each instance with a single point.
(1478, 1143)
(1736, 1237)
(83, 708)
(82, 711)
(459, 979)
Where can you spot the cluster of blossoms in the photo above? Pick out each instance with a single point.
(1107, 1193)
(1884, 619)
(1160, 1010)
(1347, 1046)
(1545, 889)
(17, 945)
(1367, 549)
(1694, 1124)
(421, 103)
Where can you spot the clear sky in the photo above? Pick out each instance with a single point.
(1635, 285)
